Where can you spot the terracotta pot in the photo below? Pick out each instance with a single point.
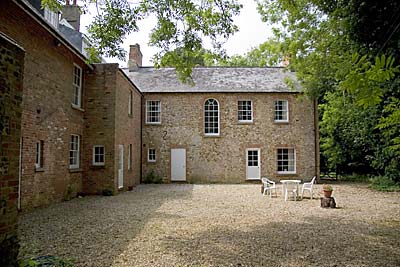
(327, 193)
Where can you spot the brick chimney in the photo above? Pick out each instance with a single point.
(135, 57)
(71, 14)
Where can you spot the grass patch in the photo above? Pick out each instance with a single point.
(382, 183)
(356, 178)
(47, 261)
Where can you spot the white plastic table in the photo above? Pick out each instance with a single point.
(285, 184)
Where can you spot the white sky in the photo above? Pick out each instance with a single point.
(252, 32)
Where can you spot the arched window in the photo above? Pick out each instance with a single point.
(211, 117)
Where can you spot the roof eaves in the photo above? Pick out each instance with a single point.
(130, 81)
(39, 18)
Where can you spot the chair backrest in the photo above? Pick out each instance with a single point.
(266, 182)
(313, 180)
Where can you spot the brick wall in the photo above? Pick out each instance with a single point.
(11, 78)
(47, 112)
(128, 128)
(223, 158)
(107, 123)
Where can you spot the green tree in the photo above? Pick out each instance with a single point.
(181, 27)
(346, 53)
(266, 54)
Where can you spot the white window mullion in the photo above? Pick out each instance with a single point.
(211, 117)
(74, 153)
(77, 84)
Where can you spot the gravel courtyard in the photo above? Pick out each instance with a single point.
(217, 225)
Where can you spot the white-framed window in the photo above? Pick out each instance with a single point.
(151, 155)
(286, 160)
(74, 152)
(130, 103)
(77, 85)
(99, 156)
(130, 157)
(211, 117)
(281, 111)
(39, 155)
(245, 111)
(153, 112)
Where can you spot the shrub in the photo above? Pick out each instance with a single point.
(382, 183)
(47, 261)
(152, 178)
(107, 192)
(355, 178)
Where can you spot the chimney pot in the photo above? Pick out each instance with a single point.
(71, 13)
(135, 57)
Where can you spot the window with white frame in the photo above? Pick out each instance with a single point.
(77, 84)
(130, 103)
(211, 117)
(39, 155)
(130, 157)
(245, 111)
(281, 111)
(151, 155)
(98, 155)
(74, 152)
(286, 160)
(153, 112)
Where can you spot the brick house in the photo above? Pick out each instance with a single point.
(87, 128)
(80, 122)
(11, 80)
(233, 125)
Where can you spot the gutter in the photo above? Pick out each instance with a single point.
(54, 32)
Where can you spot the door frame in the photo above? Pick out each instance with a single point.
(171, 176)
(259, 163)
(120, 171)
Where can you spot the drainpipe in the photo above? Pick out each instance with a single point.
(141, 138)
(316, 131)
(20, 172)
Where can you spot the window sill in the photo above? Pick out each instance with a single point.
(253, 179)
(77, 107)
(245, 122)
(153, 123)
(212, 135)
(281, 122)
(287, 173)
(75, 170)
(41, 169)
(151, 161)
(130, 115)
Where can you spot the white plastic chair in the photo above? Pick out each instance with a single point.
(269, 186)
(308, 186)
(290, 189)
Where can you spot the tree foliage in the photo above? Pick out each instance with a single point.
(266, 54)
(182, 25)
(346, 53)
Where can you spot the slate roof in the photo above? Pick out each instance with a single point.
(214, 79)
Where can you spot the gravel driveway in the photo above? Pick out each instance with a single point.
(218, 225)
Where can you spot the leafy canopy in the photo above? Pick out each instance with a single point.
(347, 54)
(182, 25)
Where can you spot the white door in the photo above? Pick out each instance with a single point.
(253, 163)
(121, 166)
(178, 164)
